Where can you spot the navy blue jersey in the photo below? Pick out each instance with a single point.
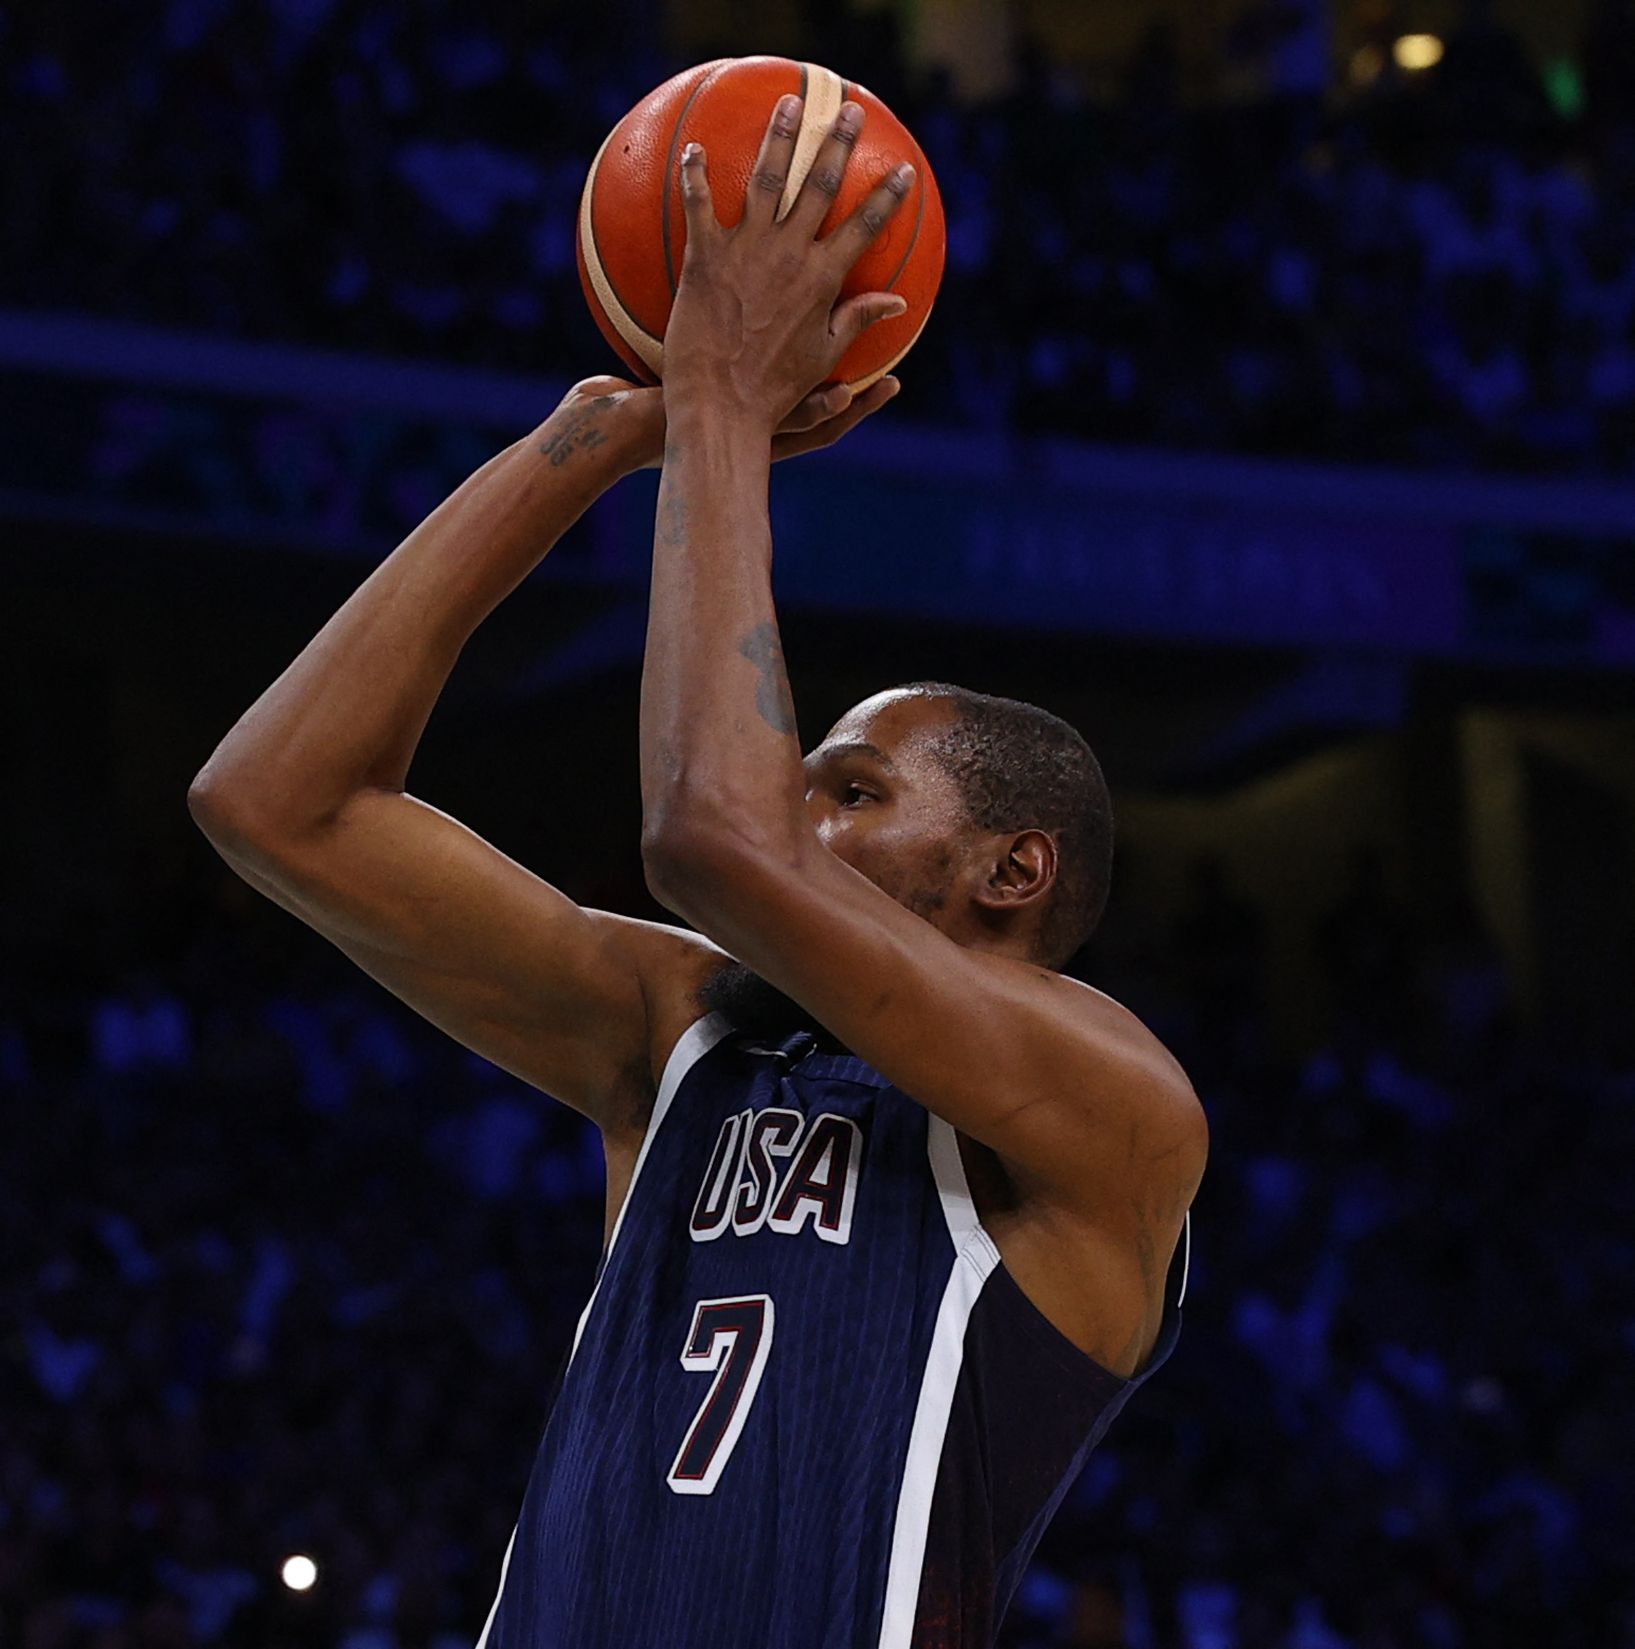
(807, 1406)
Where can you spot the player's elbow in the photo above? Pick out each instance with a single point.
(697, 861)
(219, 810)
(243, 822)
(681, 860)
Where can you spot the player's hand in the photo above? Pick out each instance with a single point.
(758, 320)
(819, 421)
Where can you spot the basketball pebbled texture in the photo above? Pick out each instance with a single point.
(633, 229)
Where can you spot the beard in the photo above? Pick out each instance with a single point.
(752, 1005)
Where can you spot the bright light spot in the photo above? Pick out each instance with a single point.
(1417, 51)
(1367, 63)
(299, 1573)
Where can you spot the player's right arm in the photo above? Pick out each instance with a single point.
(305, 798)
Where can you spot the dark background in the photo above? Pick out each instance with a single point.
(1241, 316)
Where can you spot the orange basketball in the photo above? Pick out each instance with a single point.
(632, 229)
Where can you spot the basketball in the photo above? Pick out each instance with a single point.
(633, 232)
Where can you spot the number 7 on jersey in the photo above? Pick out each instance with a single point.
(731, 1338)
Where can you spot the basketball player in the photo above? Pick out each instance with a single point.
(895, 1210)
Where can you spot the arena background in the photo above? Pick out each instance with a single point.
(1275, 426)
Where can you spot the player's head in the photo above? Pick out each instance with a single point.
(987, 816)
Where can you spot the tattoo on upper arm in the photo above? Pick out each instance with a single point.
(583, 433)
(772, 696)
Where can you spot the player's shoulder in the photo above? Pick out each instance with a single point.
(1157, 1081)
(1071, 1002)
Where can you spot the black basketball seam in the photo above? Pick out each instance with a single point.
(670, 172)
(914, 239)
(624, 308)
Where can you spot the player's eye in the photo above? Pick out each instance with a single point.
(853, 794)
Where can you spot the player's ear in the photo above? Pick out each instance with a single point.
(1020, 870)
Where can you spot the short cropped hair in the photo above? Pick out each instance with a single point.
(1021, 768)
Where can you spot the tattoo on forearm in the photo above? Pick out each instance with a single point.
(772, 696)
(672, 517)
(583, 433)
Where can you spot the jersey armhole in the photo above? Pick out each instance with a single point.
(691, 1046)
(1186, 1258)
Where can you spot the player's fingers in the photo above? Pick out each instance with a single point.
(856, 315)
(766, 183)
(817, 408)
(852, 239)
(862, 406)
(817, 193)
(696, 202)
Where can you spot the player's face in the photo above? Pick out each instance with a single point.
(881, 801)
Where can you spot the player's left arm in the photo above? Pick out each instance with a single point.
(1061, 1082)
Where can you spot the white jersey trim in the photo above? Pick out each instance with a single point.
(974, 1260)
(499, 1591)
(691, 1046)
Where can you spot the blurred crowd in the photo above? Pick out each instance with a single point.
(286, 1272)
(1435, 267)
(289, 1273)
